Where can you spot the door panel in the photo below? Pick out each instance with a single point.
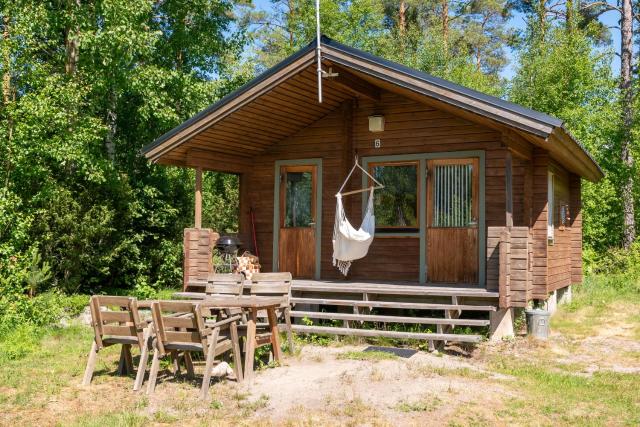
(452, 229)
(297, 234)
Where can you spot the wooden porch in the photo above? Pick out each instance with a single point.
(376, 309)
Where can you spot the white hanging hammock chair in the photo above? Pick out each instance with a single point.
(350, 244)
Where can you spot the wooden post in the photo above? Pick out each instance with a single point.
(198, 198)
(505, 267)
(244, 208)
(508, 181)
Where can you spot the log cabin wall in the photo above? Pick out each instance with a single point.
(559, 252)
(410, 128)
(539, 219)
(575, 211)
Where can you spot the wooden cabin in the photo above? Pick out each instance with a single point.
(480, 212)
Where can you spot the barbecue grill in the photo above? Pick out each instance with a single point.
(227, 247)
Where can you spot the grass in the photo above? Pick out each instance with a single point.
(605, 398)
(366, 355)
(426, 404)
(534, 384)
(55, 360)
(564, 393)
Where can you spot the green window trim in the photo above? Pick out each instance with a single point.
(422, 199)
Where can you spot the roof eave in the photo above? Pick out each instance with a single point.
(576, 154)
(150, 150)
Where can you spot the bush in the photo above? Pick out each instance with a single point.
(17, 342)
(41, 310)
(615, 261)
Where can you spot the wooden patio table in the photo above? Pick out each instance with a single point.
(252, 304)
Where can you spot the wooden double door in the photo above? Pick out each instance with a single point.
(452, 221)
(297, 211)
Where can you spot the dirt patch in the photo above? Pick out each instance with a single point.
(322, 382)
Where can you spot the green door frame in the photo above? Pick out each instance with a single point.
(422, 203)
(276, 209)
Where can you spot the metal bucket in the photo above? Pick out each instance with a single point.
(538, 323)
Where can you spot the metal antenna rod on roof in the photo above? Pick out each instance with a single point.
(318, 51)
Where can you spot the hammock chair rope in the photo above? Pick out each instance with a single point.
(350, 244)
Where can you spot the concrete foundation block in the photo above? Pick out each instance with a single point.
(501, 324)
(551, 305)
(564, 295)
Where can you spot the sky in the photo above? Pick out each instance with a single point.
(518, 22)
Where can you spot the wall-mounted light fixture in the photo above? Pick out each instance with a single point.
(376, 123)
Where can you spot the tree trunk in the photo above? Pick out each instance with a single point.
(290, 23)
(542, 20)
(112, 117)
(569, 16)
(402, 18)
(71, 40)
(445, 26)
(6, 57)
(626, 92)
(8, 95)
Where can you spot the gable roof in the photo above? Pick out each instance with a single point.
(540, 129)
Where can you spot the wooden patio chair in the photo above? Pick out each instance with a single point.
(180, 327)
(226, 284)
(276, 284)
(111, 327)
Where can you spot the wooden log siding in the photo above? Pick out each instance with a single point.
(509, 268)
(410, 127)
(575, 210)
(197, 253)
(539, 218)
(559, 253)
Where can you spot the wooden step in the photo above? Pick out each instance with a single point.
(389, 319)
(389, 289)
(329, 330)
(389, 304)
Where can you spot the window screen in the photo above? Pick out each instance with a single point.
(452, 195)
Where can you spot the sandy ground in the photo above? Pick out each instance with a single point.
(318, 383)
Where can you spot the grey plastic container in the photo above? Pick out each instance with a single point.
(538, 323)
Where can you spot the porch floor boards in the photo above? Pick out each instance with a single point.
(390, 288)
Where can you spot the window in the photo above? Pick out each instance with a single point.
(550, 206)
(453, 188)
(298, 210)
(396, 205)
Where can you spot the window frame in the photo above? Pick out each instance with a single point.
(397, 229)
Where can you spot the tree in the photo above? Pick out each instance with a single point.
(566, 75)
(85, 85)
(627, 99)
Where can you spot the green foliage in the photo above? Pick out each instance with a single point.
(22, 340)
(561, 73)
(88, 84)
(469, 48)
(80, 210)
